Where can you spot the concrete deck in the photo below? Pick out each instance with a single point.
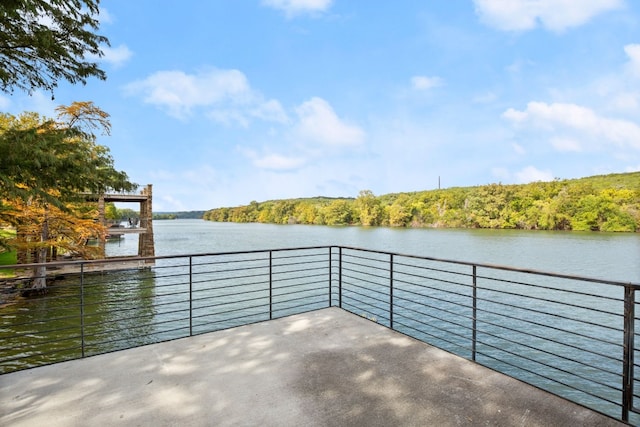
(325, 368)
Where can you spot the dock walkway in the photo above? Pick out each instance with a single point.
(323, 368)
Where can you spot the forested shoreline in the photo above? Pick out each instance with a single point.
(597, 203)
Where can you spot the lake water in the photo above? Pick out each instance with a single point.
(613, 256)
(600, 255)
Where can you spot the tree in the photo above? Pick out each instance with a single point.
(46, 164)
(111, 212)
(38, 155)
(368, 208)
(67, 231)
(400, 214)
(306, 213)
(44, 41)
(339, 212)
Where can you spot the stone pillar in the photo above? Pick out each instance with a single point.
(145, 240)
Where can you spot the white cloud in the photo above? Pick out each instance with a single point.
(298, 7)
(229, 117)
(633, 51)
(179, 92)
(579, 123)
(625, 101)
(515, 116)
(532, 174)
(116, 56)
(617, 92)
(554, 15)
(104, 16)
(270, 111)
(225, 94)
(318, 122)
(425, 83)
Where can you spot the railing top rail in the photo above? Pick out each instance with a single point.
(157, 257)
(634, 285)
(503, 267)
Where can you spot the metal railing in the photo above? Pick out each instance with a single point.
(573, 336)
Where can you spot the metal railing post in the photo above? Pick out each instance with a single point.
(474, 331)
(190, 296)
(628, 350)
(391, 291)
(340, 276)
(270, 285)
(82, 308)
(330, 274)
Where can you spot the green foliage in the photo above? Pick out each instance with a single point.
(187, 214)
(8, 258)
(44, 41)
(369, 208)
(339, 212)
(50, 164)
(111, 211)
(598, 203)
(126, 213)
(56, 161)
(165, 216)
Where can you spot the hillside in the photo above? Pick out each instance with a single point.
(179, 215)
(596, 203)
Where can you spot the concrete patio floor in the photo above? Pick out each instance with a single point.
(324, 368)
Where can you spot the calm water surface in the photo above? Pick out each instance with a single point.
(614, 256)
(145, 300)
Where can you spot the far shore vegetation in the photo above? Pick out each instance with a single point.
(596, 203)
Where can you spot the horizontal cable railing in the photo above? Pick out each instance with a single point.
(94, 307)
(570, 335)
(573, 336)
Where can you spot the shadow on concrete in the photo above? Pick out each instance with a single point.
(322, 368)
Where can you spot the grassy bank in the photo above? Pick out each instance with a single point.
(7, 257)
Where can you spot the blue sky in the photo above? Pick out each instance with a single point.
(218, 103)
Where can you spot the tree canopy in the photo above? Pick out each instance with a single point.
(44, 41)
(599, 203)
(56, 160)
(46, 166)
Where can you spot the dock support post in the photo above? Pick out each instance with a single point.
(145, 240)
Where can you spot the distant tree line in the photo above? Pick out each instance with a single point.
(165, 216)
(598, 203)
(112, 212)
(179, 215)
